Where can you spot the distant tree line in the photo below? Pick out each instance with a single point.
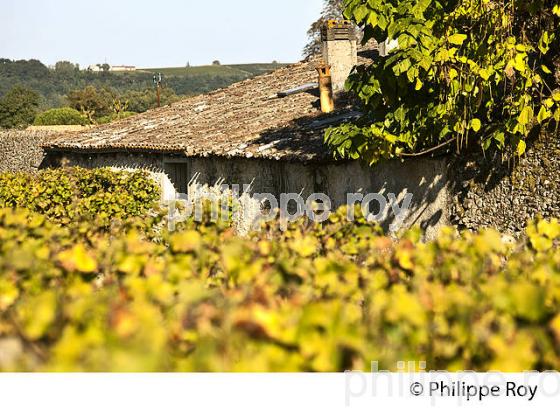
(28, 88)
(54, 84)
(20, 106)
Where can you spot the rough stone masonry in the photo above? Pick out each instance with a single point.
(488, 192)
(21, 150)
(481, 191)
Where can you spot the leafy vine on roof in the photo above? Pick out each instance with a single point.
(464, 71)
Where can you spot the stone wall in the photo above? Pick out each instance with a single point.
(488, 192)
(21, 151)
(424, 179)
(471, 191)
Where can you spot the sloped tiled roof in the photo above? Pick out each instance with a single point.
(246, 119)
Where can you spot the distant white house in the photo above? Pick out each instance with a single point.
(122, 68)
(115, 68)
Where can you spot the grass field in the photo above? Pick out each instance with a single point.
(241, 70)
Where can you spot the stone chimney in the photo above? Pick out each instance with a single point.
(340, 50)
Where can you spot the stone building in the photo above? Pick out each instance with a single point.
(266, 131)
(122, 68)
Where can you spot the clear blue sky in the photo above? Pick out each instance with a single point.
(157, 33)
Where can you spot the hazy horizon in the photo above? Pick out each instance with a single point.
(155, 34)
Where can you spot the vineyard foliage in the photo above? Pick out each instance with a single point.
(76, 194)
(327, 297)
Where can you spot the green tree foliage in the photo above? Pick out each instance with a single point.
(101, 106)
(66, 68)
(91, 102)
(61, 116)
(18, 107)
(332, 9)
(115, 117)
(140, 101)
(22, 69)
(479, 71)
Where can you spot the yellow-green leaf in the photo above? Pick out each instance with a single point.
(453, 74)
(551, 229)
(485, 74)
(184, 242)
(521, 147)
(526, 116)
(543, 114)
(36, 314)
(476, 124)
(457, 39)
(77, 259)
(8, 293)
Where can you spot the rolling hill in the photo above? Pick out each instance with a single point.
(53, 84)
(234, 70)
